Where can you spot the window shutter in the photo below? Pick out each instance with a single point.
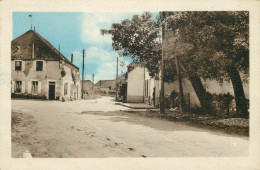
(44, 63)
(13, 84)
(29, 87)
(23, 86)
(39, 87)
(23, 65)
(34, 65)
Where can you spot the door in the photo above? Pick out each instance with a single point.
(51, 90)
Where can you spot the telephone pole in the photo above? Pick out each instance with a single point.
(162, 109)
(82, 73)
(116, 77)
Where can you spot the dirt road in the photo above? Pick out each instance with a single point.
(97, 128)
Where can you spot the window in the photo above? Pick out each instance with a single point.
(18, 87)
(65, 88)
(18, 65)
(34, 86)
(39, 65)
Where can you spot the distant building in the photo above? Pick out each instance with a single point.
(142, 88)
(41, 71)
(87, 86)
(105, 87)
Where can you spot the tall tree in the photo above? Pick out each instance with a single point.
(219, 46)
(136, 38)
(176, 47)
(139, 39)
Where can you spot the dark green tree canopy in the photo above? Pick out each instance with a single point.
(215, 41)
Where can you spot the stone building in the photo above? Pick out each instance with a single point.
(105, 87)
(41, 71)
(87, 86)
(141, 86)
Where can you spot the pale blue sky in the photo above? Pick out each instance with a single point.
(74, 32)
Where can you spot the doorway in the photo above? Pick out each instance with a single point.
(51, 90)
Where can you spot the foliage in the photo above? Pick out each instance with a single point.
(209, 42)
(137, 38)
(122, 92)
(221, 104)
(171, 101)
(211, 45)
(73, 76)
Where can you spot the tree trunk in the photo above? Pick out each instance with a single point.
(240, 98)
(181, 95)
(201, 93)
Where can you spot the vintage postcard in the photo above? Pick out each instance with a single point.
(129, 85)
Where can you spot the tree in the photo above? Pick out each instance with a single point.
(218, 47)
(136, 38)
(210, 45)
(177, 48)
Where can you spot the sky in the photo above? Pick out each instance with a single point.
(75, 32)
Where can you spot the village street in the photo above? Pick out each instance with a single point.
(97, 128)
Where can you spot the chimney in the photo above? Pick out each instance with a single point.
(34, 28)
(71, 58)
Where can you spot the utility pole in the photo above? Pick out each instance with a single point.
(162, 109)
(116, 77)
(82, 74)
(93, 75)
(144, 86)
(181, 96)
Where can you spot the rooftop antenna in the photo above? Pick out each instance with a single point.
(31, 20)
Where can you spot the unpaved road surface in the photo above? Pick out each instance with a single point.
(97, 128)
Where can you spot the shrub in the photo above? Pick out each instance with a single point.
(221, 104)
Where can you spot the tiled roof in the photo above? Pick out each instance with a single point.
(21, 48)
(87, 82)
(106, 83)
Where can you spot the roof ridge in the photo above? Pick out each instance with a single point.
(51, 46)
(59, 54)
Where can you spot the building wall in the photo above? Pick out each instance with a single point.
(88, 87)
(72, 91)
(188, 91)
(51, 72)
(137, 88)
(211, 86)
(135, 85)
